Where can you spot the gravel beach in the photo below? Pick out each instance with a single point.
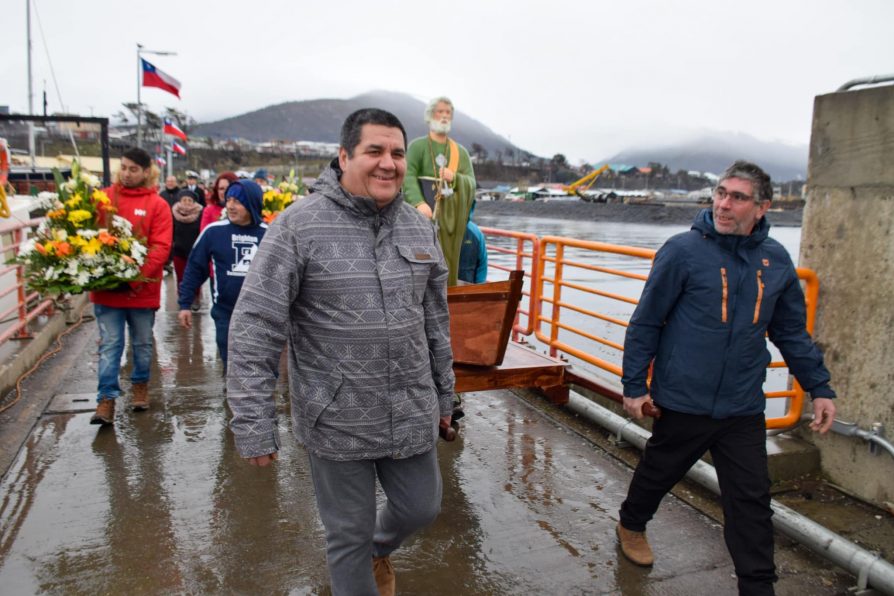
(620, 212)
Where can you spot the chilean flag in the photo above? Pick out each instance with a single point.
(173, 130)
(177, 148)
(154, 77)
(161, 161)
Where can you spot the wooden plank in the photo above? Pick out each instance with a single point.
(481, 318)
(521, 367)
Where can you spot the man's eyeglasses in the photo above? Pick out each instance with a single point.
(721, 193)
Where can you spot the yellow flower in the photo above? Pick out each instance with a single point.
(124, 244)
(77, 240)
(74, 201)
(92, 247)
(78, 216)
(100, 197)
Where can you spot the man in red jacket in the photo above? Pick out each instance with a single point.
(132, 304)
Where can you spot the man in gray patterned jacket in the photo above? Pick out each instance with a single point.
(353, 279)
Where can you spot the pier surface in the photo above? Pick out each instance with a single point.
(162, 503)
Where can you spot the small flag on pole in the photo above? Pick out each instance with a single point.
(161, 161)
(178, 148)
(155, 77)
(173, 130)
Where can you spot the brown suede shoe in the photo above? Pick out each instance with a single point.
(384, 574)
(140, 399)
(105, 412)
(635, 546)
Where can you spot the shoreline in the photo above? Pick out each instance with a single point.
(654, 213)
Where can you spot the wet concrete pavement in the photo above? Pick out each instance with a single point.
(161, 503)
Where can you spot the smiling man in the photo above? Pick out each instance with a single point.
(352, 279)
(713, 295)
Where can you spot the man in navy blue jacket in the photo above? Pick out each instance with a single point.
(712, 296)
(230, 245)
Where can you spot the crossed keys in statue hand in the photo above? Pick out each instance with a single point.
(445, 190)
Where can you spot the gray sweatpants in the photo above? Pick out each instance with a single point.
(355, 531)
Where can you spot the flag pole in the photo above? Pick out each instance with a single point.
(139, 102)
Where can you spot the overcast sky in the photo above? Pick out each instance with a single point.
(586, 78)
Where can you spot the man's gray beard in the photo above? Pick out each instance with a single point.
(438, 127)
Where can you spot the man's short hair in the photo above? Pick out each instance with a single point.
(352, 129)
(430, 108)
(761, 185)
(138, 156)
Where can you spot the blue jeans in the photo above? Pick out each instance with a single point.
(111, 322)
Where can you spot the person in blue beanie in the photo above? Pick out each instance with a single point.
(230, 245)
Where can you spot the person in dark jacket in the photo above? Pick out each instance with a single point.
(187, 213)
(230, 245)
(713, 295)
(473, 253)
(169, 194)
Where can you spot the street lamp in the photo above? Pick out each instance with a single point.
(140, 51)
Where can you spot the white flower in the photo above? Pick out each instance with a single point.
(27, 247)
(121, 224)
(48, 200)
(82, 278)
(88, 234)
(137, 251)
(90, 180)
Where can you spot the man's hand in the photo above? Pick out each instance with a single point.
(262, 461)
(634, 405)
(823, 414)
(425, 210)
(185, 318)
(446, 173)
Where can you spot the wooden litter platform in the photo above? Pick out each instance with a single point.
(521, 367)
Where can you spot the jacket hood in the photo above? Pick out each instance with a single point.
(704, 224)
(329, 185)
(250, 195)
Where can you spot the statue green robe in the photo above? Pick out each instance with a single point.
(452, 212)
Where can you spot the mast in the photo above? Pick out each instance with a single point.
(30, 87)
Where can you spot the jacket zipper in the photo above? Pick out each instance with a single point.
(760, 296)
(725, 295)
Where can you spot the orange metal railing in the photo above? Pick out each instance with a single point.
(555, 263)
(28, 305)
(527, 254)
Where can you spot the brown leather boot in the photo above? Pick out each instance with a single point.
(384, 574)
(105, 412)
(140, 398)
(635, 546)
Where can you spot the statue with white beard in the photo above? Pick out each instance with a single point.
(440, 181)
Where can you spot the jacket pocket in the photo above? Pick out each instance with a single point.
(316, 392)
(420, 260)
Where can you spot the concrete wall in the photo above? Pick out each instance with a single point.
(848, 239)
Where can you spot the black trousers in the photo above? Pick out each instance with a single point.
(738, 447)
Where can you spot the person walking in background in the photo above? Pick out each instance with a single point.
(132, 305)
(473, 254)
(217, 199)
(186, 212)
(169, 192)
(260, 178)
(192, 183)
(353, 279)
(230, 245)
(712, 297)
